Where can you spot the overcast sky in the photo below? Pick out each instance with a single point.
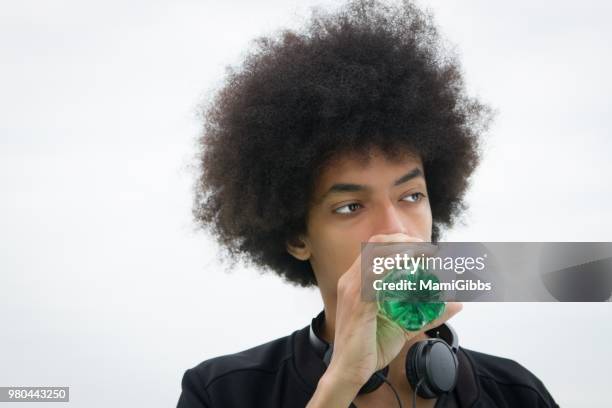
(106, 288)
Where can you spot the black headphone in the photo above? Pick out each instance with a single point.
(431, 365)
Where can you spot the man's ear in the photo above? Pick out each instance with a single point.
(299, 248)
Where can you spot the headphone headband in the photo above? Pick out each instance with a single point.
(445, 332)
(319, 345)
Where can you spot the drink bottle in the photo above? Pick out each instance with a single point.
(414, 308)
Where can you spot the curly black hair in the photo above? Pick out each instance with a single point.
(370, 74)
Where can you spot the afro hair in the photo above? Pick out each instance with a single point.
(370, 74)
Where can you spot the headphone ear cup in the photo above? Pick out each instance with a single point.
(416, 370)
(375, 381)
(442, 365)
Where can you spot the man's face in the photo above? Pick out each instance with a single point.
(354, 200)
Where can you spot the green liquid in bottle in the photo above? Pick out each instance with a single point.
(411, 309)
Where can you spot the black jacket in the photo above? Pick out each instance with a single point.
(285, 372)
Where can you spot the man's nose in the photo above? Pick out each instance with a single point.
(388, 220)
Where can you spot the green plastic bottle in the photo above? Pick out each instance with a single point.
(410, 309)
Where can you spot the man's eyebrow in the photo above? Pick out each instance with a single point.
(414, 173)
(350, 188)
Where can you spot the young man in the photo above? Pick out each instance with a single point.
(356, 129)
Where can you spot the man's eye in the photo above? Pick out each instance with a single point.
(347, 209)
(414, 197)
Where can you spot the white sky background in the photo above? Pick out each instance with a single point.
(105, 288)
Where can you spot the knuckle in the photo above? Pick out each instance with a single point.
(346, 287)
(397, 237)
(375, 238)
(342, 285)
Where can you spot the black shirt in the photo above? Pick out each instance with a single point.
(285, 373)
